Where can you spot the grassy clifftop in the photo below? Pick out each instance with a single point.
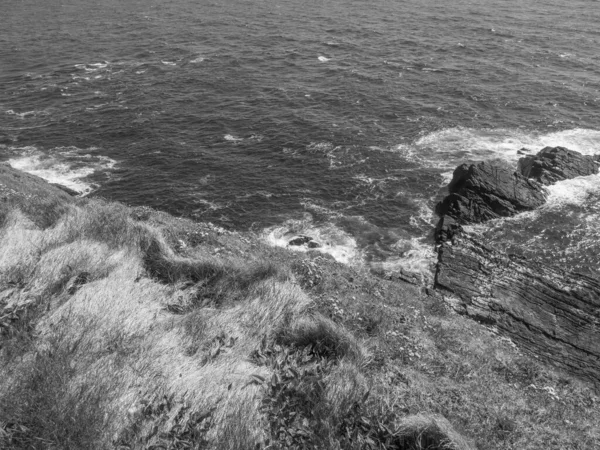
(128, 328)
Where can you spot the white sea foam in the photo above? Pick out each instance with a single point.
(22, 115)
(169, 63)
(575, 192)
(207, 205)
(425, 217)
(333, 240)
(415, 256)
(92, 67)
(257, 137)
(231, 138)
(320, 147)
(197, 60)
(260, 193)
(68, 166)
(372, 181)
(447, 148)
(329, 150)
(323, 59)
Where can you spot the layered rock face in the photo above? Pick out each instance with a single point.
(552, 313)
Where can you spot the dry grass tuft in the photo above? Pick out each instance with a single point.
(43, 407)
(433, 432)
(324, 337)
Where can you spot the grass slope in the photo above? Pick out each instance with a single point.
(128, 328)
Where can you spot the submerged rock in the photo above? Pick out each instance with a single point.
(554, 164)
(300, 240)
(304, 240)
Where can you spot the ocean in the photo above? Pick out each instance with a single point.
(341, 120)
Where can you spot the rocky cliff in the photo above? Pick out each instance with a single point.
(552, 313)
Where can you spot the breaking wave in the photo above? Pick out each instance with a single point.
(67, 166)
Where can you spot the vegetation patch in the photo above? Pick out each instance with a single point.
(43, 408)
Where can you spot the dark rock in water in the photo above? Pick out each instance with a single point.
(551, 313)
(304, 240)
(554, 164)
(300, 240)
(523, 151)
(489, 190)
(68, 190)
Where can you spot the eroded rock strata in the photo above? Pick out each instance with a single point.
(550, 312)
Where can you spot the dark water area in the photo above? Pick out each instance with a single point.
(337, 119)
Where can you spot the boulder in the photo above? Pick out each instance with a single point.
(549, 312)
(489, 190)
(554, 164)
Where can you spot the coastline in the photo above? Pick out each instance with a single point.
(149, 329)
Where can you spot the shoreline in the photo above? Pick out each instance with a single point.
(174, 327)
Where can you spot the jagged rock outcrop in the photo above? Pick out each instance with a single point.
(554, 164)
(552, 313)
(489, 190)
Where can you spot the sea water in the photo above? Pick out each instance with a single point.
(340, 120)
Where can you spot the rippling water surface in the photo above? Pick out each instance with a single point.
(341, 120)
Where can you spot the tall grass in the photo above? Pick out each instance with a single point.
(121, 316)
